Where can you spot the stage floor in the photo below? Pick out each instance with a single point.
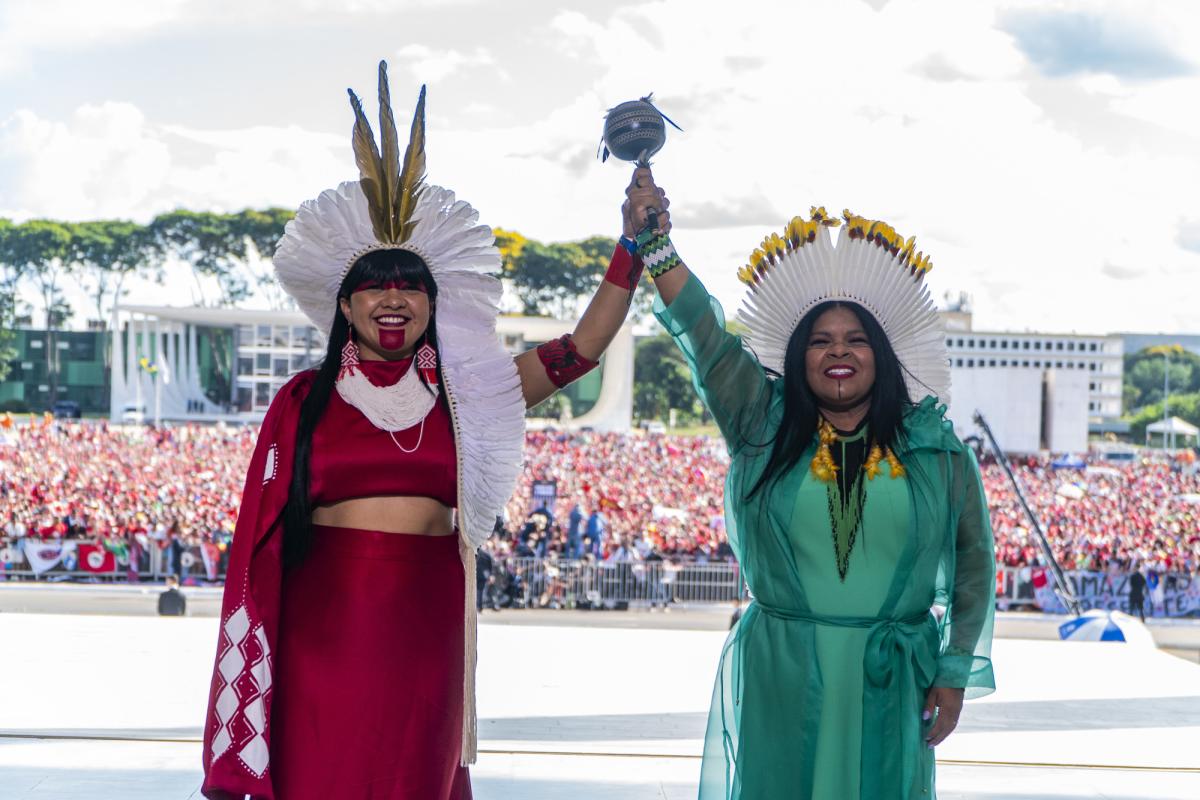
(107, 706)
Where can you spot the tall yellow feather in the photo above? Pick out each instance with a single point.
(412, 177)
(390, 155)
(391, 192)
(366, 155)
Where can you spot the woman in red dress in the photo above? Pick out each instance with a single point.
(346, 661)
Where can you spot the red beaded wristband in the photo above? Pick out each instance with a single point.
(562, 361)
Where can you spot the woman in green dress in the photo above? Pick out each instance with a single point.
(857, 515)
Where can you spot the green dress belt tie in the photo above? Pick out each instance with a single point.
(899, 664)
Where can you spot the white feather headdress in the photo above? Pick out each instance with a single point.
(391, 207)
(872, 266)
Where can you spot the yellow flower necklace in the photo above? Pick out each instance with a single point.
(824, 468)
(846, 503)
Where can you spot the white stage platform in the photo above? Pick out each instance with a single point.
(102, 706)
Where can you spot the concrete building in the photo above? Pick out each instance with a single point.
(1099, 358)
(78, 365)
(229, 363)
(1038, 391)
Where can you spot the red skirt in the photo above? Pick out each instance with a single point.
(368, 699)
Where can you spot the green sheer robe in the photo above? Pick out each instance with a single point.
(821, 685)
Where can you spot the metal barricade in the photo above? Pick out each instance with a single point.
(153, 566)
(563, 583)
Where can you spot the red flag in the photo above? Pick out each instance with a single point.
(94, 558)
(1039, 579)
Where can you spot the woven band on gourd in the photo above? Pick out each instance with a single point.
(659, 256)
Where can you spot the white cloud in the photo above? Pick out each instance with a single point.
(1014, 205)
(1056, 201)
(433, 65)
(28, 25)
(256, 167)
(1189, 235)
(732, 212)
(101, 162)
(108, 161)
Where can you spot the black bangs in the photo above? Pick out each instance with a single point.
(889, 395)
(389, 265)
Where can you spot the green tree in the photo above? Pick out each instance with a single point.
(10, 276)
(107, 252)
(214, 246)
(1184, 406)
(40, 249)
(510, 244)
(661, 380)
(549, 280)
(262, 229)
(1144, 374)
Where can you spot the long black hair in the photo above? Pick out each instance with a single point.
(889, 395)
(378, 266)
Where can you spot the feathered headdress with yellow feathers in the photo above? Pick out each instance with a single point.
(872, 266)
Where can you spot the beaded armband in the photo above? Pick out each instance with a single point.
(659, 255)
(562, 361)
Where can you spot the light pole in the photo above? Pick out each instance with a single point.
(1166, 396)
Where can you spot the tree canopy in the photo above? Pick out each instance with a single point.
(1143, 390)
(231, 253)
(661, 380)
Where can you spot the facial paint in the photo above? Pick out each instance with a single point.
(402, 285)
(391, 339)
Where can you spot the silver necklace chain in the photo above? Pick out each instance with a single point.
(415, 447)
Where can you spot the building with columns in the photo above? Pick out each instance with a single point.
(211, 364)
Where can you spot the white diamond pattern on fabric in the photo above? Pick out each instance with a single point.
(859, 272)
(229, 666)
(232, 665)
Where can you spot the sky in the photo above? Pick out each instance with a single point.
(1045, 153)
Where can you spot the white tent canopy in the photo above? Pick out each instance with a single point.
(1174, 425)
(1172, 428)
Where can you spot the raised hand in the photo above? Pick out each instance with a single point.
(641, 196)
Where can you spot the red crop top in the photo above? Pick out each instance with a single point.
(352, 458)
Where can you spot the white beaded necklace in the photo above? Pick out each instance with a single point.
(390, 408)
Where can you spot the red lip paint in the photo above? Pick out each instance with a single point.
(391, 340)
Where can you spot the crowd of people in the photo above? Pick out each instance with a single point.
(153, 496)
(1099, 517)
(619, 497)
(162, 500)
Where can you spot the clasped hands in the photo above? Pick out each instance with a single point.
(640, 196)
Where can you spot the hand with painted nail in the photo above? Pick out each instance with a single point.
(943, 706)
